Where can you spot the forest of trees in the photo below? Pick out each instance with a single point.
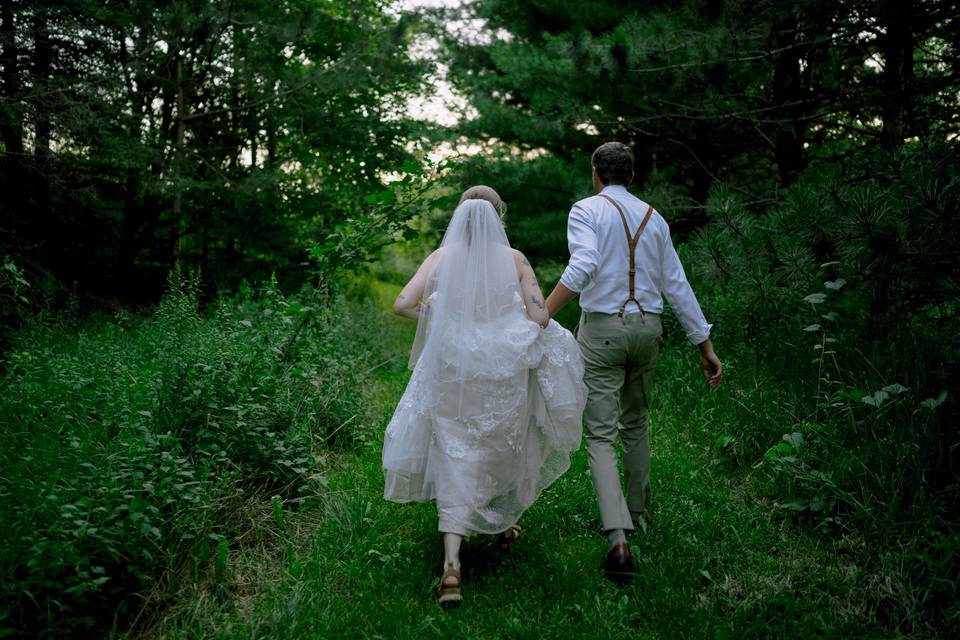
(806, 155)
(216, 135)
(738, 96)
(228, 135)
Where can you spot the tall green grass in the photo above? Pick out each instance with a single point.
(131, 445)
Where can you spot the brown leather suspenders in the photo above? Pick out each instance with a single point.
(632, 244)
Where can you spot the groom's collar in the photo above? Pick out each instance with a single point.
(614, 189)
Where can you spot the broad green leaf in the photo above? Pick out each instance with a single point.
(779, 449)
(933, 403)
(876, 398)
(836, 285)
(895, 388)
(795, 440)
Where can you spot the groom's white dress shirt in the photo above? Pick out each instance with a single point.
(600, 263)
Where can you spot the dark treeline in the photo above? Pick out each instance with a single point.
(222, 136)
(228, 135)
(741, 96)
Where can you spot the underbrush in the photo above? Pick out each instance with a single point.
(130, 442)
(836, 316)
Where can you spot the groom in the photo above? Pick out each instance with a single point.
(621, 260)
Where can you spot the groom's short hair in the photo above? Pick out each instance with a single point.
(613, 162)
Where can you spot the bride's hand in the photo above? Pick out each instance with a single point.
(530, 290)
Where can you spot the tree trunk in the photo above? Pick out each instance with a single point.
(11, 131)
(11, 127)
(787, 94)
(701, 149)
(129, 228)
(254, 128)
(271, 157)
(42, 61)
(39, 176)
(177, 162)
(897, 49)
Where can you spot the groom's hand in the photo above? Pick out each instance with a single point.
(710, 363)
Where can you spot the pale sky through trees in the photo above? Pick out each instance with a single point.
(442, 106)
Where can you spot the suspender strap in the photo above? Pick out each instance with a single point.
(632, 240)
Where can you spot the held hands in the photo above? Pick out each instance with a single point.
(710, 363)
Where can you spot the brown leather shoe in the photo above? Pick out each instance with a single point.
(618, 565)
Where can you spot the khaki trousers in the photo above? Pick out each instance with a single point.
(620, 355)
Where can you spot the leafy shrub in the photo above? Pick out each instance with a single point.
(837, 314)
(128, 441)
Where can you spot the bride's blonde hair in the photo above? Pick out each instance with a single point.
(483, 192)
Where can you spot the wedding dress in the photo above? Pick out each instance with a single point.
(493, 407)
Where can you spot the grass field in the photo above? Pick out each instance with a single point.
(717, 563)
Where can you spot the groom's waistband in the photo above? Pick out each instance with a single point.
(588, 315)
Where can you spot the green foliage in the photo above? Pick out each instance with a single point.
(222, 135)
(839, 306)
(807, 150)
(720, 93)
(130, 443)
(14, 300)
(390, 218)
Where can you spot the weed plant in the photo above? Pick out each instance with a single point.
(131, 443)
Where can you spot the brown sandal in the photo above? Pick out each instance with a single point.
(449, 596)
(508, 537)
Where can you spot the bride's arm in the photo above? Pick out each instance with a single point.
(407, 303)
(530, 289)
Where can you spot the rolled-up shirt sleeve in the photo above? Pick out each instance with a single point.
(679, 294)
(584, 257)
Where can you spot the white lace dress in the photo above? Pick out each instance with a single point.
(485, 449)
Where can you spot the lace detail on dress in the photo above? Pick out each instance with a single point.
(492, 351)
(485, 448)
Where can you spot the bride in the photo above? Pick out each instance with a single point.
(493, 407)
